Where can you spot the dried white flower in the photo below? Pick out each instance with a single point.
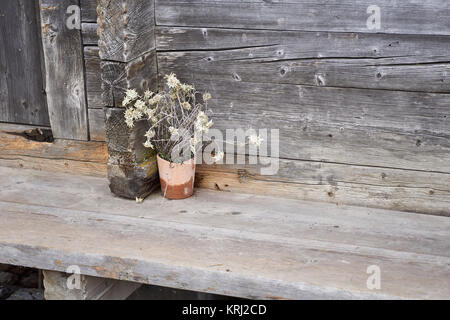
(203, 123)
(174, 132)
(139, 200)
(148, 94)
(155, 99)
(131, 94)
(129, 118)
(186, 105)
(150, 134)
(187, 88)
(206, 96)
(172, 81)
(255, 140)
(125, 101)
(140, 105)
(148, 144)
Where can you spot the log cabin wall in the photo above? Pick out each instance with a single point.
(363, 114)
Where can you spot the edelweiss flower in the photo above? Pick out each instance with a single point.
(150, 134)
(255, 140)
(186, 88)
(129, 118)
(173, 131)
(172, 81)
(202, 123)
(155, 99)
(206, 96)
(125, 101)
(148, 94)
(148, 144)
(140, 105)
(131, 94)
(186, 105)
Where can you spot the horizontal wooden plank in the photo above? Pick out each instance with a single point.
(383, 128)
(406, 190)
(87, 158)
(97, 124)
(404, 17)
(89, 33)
(88, 10)
(394, 189)
(374, 61)
(93, 71)
(286, 248)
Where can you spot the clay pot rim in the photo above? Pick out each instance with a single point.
(187, 162)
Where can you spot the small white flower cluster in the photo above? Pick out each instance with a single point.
(175, 116)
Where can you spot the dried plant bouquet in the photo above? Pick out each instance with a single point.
(178, 117)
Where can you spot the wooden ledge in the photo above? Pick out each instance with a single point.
(217, 242)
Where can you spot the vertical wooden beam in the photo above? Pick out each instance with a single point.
(65, 87)
(127, 49)
(91, 288)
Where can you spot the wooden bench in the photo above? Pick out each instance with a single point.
(232, 244)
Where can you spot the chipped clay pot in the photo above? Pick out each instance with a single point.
(177, 179)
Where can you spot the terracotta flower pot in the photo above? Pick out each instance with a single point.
(177, 179)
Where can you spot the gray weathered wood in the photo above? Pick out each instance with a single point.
(374, 61)
(89, 33)
(140, 74)
(354, 126)
(232, 244)
(132, 168)
(79, 157)
(406, 17)
(88, 10)
(126, 29)
(91, 288)
(395, 189)
(93, 71)
(65, 86)
(97, 125)
(22, 95)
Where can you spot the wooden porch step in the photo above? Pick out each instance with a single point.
(217, 242)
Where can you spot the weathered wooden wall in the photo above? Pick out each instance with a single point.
(364, 117)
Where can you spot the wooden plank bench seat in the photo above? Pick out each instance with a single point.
(233, 244)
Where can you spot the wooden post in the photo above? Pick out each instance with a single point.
(128, 53)
(91, 288)
(64, 69)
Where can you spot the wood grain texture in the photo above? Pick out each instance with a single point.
(404, 17)
(396, 189)
(140, 74)
(86, 158)
(93, 71)
(22, 94)
(97, 124)
(65, 86)
(126, 29)
(89, 33)
(354, 126)
(232, 244)
(88, 10)
(371, 61)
